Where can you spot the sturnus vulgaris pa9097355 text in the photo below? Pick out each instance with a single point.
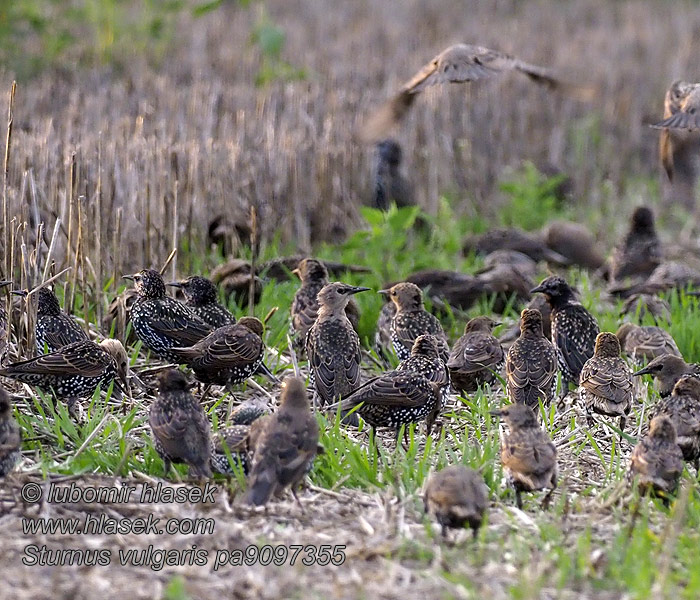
(181, 430)
(228, 355)
(667, 370)
(683, 408)
(162, 322)
(285, 446)
(645, 343)
(531, 363)
(412, 320)
(74, 371)
(10, 437)
(657, 460)
(528, 455)
(640, 251)
(202, 298)
(314, 276)
(606, 380)
(333, 346)
(574, 329)
(476, 357)
(456, 496)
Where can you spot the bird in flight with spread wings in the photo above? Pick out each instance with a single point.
(460, 63)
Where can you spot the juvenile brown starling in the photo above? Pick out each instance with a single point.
(390, 185)
(513, 239)
(531, 364)
(575, 242)
(233, 277)
(228, 355)
(180, 428)
(314, 277)
(527, 453)
(476, 357)
(574, 329)
(456, 496)
(657, 461)
(637, 306)
(333, 346)
(606, 380)
(202, 297)
(667, 370)
(282, 267)
(459, 63)
(425, 360)
(285, 447)
(640, 251)
(54, 328)
(74, 371)
(537, 303)
(683, 408)
(10, 437)
(412, 320)
(162, 322)
(522, 262)
(643, 344)
(382, 338)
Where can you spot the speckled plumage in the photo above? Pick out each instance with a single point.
(644, 343)
(180, 428)
(683, 408)
(657, 460)
(456, 496)
(667, 370)
(531, 364)
(161, 322)
(476, 357)
(235, 439)
(640, 251)
(249, 411)
(528, 455)
(202, 298)
(574, 329)
(10, 436)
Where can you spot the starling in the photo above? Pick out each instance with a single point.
(390, 185)
(531, 363)
(657, 461)
(282, 268)
(54, 328)
(233, 277)
(249, 411)
(74, 371)
(513, 239)
(233, 438)
(575, 242)
(161, 322)
(456, 496)
(476, 357)
(228, 355)
(537, 303)
(459, 63)
(667, 276)
(683, 408)
(522, 262)
(574, 329)
(425, 360)
(640, 251)
(180, 428)
(667, 369)
(202, 297)
(10, 437)
(412, 320)
(682, 102)
(333, 346)
(606, 380)
(314, 277)
(285, 446)
(638, 306)
(382, 338)
(527, 453)
(644, 343)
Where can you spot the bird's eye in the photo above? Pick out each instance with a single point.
(691, 111)
(343, 290)
(393, 293)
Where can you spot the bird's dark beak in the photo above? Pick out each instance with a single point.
(644, 371)
(22, 293)
(357, 290)
(497, 324)
(175, 284)
(495, 413)
(129, 277)
(385, 292)
(537, 289)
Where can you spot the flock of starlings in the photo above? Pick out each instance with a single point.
(556, 336)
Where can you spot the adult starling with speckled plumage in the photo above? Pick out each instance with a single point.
(644, 343)
(333, 346)
(314, 276)
(234, 439)
(162, 322)
(666, 371)
(285, 446)
(640, 251)
(228, 355)
(425, 360)
(202, 297)
(531, 363)
(390, 185)
(54, 328)
(456, 496)
(180, 427)
(574, 329)
(657, 460)
(476, 357)
(248, 411)
(10, 437)
(412, 320)
(683, 408)
(606, 380)
(527, 453)
(74, 371)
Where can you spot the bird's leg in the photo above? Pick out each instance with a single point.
(518, 499)
(205, 394)
(294, 493)
(475, 532)
(548, 498)
(623, 420)
(75, 410)
(696, 464)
